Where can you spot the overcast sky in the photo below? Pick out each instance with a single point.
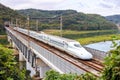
(102, 7)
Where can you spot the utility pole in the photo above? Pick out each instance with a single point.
(19, 23)
(61, 24)
(16, 24)
(28, 27)
(28, 24)
(11, 23)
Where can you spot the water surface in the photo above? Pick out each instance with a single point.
(103, 46)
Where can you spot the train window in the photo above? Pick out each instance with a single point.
(65, 45)
(77, 45)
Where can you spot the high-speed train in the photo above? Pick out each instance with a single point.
(72, 47)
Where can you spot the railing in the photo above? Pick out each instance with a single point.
(60, 63)
(27, 52)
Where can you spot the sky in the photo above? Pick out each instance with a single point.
(102, 7)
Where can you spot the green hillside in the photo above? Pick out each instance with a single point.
(114, 18)
(7, 14)
(72, 20)
(45, 13)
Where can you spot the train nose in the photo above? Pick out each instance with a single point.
(86, 56)
(90, 56)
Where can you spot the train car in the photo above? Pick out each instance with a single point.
(72, 47)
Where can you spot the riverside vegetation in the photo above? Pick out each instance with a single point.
(9, 66)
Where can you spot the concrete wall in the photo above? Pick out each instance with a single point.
(100, 55)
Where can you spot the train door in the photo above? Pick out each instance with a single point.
(65, 45)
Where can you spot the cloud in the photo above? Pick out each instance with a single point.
(14, 2)
(105, 5)
(46, 1)
(23, 4)
(116, 3)
(82, 5)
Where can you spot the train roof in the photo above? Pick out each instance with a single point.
(58, 37)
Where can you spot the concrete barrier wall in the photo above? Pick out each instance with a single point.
(54, 61)
(100, 55)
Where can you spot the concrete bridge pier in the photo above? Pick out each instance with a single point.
(31, 69)
(9, 40)
(12, 44)
(42, 67)
(21, 56)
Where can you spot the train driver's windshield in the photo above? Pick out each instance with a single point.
(77, 45)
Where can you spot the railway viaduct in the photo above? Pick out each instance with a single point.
(41, 57)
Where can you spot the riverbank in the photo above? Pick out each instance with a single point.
(3, 40)
(3, 36)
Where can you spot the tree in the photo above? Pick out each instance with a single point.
(112, 65)
(52, 75)
(8, 67)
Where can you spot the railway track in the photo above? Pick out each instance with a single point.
(92, 66)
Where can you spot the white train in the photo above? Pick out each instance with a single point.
(70, 46)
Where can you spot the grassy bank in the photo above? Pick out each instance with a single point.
(86, 37)
(95, 39)
(2, 36)
(3, 40)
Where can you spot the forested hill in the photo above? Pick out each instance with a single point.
(7, 14)
(45, 13)
(72, 19)
(114, 18)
